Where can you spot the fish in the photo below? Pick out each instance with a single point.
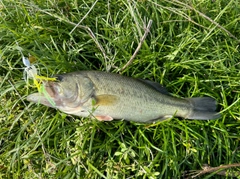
(107, 96)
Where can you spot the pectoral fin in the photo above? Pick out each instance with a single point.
(105, 100)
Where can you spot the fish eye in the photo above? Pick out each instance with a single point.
(59, 78)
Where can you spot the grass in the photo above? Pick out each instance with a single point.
(192, 48)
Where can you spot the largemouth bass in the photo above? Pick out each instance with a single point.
(108, 96)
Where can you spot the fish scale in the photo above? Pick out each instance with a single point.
(133, 100)
(138, 96)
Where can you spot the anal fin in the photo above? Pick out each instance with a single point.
(104, 118)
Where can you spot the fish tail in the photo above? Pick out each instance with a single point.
(203, 108)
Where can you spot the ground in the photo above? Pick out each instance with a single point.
(190, 47)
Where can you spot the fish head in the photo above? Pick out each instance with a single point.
(67, 93)
(64, 89)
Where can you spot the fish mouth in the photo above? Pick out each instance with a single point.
(47, 96)
(51, 88)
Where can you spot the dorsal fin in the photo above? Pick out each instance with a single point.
(155, 86)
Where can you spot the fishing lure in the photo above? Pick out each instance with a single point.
(30, 72)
